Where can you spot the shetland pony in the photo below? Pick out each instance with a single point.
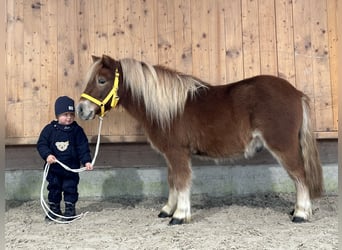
(184, 116)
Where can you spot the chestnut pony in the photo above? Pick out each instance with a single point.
(184, 116)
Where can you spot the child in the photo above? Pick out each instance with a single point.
(65, 140)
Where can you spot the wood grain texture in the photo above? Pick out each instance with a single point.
(49, 46)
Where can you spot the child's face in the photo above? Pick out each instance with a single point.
(66, 118)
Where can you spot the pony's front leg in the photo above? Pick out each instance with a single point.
(182, 213)
(170, 207)
(179, 178)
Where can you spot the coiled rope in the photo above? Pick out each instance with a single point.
(45, 206)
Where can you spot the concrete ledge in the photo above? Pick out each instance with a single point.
(214, 181)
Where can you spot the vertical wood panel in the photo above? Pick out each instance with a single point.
(133, 27)
(183, 36)
(332, 34)
(268, 52)
(14, 69)
(114, 124)
(250, 38)
(48, 59)
(31, 84)
(322, 91)
(233, 39)
(216, 50)
(303, 49)
(101, 27)
(149, 31)
(166, 33)
(285, 46)
(86, 48)
(199, 29)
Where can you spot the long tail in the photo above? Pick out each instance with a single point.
(312, 165)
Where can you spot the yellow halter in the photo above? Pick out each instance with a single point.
(113, 93)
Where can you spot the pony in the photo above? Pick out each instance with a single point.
(185, 116)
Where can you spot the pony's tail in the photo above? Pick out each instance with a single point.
(312, 165)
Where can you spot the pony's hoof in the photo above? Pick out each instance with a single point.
(162, 214)
(298, 219)
(175, 221)
(292, 212)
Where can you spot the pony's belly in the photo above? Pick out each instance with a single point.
(219, 154)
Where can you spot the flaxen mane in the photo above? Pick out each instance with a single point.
(152, 86)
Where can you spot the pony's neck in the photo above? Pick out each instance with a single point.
(136, 108)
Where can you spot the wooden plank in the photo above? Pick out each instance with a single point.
(200, 44)
(114, 120)
(102, 34)
(141, 155)
(216, 49)
(85, 38)
(233, 39)
(133, 26)
(326, 135)
(321, 79)
(48, 58)
(284, 35)
(183, 55)
(120, 30)
(119, 123)
(303, 50)
(101, 27)
(250, 38)
(67, 72)
(31, 84)
(166, 33)
(14, 70)
(267, 38)
(149, 44)
(332, 37)
(85, 49)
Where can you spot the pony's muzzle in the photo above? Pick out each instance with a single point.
(85, 111)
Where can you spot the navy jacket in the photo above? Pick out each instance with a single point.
(69, 144)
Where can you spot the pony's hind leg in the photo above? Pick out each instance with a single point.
(179, 178)
(302, 210)
(292, 161)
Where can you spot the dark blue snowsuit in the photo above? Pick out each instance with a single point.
(69, 144)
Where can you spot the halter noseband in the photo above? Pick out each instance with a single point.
(112, 94)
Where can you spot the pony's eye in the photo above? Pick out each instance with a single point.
(101, 81)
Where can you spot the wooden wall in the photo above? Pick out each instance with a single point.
(49, 45)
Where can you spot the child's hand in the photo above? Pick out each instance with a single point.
(51, 159)
(88, 166)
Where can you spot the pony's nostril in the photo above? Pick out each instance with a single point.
(79, 109)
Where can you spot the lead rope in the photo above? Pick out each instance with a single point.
(46, 171)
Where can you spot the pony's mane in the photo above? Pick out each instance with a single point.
(163, 91)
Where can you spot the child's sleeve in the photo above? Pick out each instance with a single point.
(82, 147)
(43, 143)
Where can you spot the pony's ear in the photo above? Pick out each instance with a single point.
(108, 61)
(95, 58)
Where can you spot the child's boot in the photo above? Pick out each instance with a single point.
(70, 211)
(56, 208)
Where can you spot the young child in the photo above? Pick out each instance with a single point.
(65, 140)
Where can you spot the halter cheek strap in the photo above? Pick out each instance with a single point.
(112, 94)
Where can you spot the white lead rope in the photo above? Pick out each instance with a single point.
(46, 171)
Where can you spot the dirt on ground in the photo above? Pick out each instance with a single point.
(250, 222)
